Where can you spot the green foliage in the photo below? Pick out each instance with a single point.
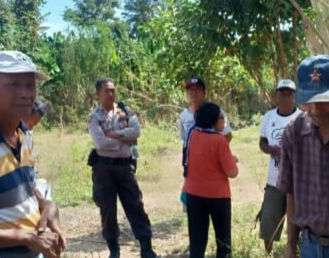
(19, 24)
(240, 48)
(265, 36)
(139, 12)
(6, 25)
(89, 12)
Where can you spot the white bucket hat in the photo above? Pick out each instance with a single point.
(17, 62)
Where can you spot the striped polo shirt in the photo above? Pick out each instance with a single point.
(19, 207)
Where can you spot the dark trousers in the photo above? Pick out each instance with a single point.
(199, 212)
(110, 181)
(134, 163)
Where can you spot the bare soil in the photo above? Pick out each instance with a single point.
(161, 199)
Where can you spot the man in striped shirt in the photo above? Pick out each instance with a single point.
(24, 213)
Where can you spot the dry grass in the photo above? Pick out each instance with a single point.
(62, 160)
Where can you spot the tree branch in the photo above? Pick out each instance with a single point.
(318, 44)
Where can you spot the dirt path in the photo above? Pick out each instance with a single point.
(161, 198)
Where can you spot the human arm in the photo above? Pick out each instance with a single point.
(99, 138)
(265, 134)
(39, 242)
(292, 229)
(228, 137)
(227, 130)
(132, 131)
(181, 128)
(227, 160)
(286, 184)
(123, 139)
(50, 218)
(274, 151)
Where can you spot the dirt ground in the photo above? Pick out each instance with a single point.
(161, 199)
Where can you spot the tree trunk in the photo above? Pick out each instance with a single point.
(269, 97)
(317, 39)
(295, 51)
(281, 53)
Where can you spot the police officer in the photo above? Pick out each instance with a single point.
(112, 172)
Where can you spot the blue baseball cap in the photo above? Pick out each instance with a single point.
(313, 80)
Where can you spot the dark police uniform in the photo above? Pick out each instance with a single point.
(113, 175)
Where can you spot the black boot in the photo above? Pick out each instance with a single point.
(114, 248)
(146, 249)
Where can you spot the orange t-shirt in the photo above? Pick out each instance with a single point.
(209, 156)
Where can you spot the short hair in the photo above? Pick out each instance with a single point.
(207, 115)
(39, 107)
(101, 81)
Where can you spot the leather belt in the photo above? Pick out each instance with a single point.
(322, 240)
(114, 161)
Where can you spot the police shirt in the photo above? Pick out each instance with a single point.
(102, 121)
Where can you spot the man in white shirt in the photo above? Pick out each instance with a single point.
(196, 91)
(271, 131)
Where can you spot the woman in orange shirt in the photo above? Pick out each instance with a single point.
(209, 164)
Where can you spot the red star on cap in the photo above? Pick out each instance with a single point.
(315, 76)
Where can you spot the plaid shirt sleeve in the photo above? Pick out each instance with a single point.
(285, 179)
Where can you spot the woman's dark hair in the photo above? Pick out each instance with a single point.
(101, 81)
(207, 115)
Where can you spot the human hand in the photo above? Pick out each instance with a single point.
(276, 153)
(122, 113)
(50, 218)
(235, 158)
(129, 140)
(43, 242)
(61, 243)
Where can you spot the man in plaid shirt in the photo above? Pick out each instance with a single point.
(304, 166)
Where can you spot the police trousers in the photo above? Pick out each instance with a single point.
(118, 180)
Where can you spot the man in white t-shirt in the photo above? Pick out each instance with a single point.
(196, 92)
(271, 130)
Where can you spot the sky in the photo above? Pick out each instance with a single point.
(54, 20)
